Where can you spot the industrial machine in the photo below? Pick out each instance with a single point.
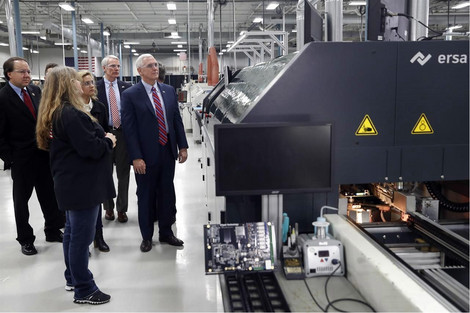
(398, 113)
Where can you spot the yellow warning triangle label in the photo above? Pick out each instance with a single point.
(422, 126)
(366, 128)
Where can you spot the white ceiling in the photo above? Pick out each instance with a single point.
(147, 21)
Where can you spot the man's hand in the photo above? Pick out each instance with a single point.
(183, 155)
(139, 166)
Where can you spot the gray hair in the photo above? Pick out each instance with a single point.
(106, 59)
(140, 59)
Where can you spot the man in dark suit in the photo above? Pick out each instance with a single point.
(109, 93)
(19, 102)
(155, 139)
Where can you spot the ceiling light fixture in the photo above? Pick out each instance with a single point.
(272, 6)
(461, 5)
(30, 32)
(25, 49)
(258, 20)
(127, 46)
(356, 3)
(172, 21)
(43, 37)
(136, 54)
(221, 53)
(35, 51)
(179, 46)
(451, 28)
(179, 50)
(106, 33)
(66, 6)
(83, 51)
(133, 50)
(179, 43)
(171, 6)
(131, 43)
(4, 44)
(62, 44)
(86, 20)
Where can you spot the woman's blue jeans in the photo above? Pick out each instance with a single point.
(79, 234)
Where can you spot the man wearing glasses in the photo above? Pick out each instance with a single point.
(109, 93)
(30, 169)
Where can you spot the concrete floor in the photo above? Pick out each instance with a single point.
(166, 279)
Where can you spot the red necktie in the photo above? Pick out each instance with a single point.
(28, 102)
(162, 137)
(114, 108)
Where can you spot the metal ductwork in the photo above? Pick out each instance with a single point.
(68, 33)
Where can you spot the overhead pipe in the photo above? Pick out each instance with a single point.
(102, 40)
(11, 27)
(68, 33)
(200, 77)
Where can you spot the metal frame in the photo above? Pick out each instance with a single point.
(256, 44)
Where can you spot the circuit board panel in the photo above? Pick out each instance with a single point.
(238, 247)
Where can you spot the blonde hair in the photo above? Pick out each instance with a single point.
(82, 75)
(58, 89)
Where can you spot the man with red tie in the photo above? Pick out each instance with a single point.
(109, 93)
(30, 169)
(155, 138)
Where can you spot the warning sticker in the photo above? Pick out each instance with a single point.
(366, 128)
(422, 126)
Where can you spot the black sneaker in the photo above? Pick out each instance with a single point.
(96, 297)
(28, 249)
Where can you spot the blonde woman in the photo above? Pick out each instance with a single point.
(98, 111)
(79, 152)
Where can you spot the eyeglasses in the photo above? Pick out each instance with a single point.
(22, 72)
(88, 83)
(114, 65)
(151, 65)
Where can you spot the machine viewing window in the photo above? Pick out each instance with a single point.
(256, 159)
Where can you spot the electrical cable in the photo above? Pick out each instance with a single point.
(435, 192)
(330, 303)
(390, 13)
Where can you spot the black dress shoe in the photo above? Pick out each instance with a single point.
(57, 237)
(146, 245)
(109, 215)
(122, 217)
(28, 249)
(171, 240)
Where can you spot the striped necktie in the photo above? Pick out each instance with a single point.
(162, 136)
(114, 107)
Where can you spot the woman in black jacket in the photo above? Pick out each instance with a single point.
(98, 111)
(79, 153)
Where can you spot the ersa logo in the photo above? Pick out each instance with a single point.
(441, 58)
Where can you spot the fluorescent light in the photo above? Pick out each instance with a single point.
(43, 37)
(62, 44)
(461, 5)
(25, 49)
(83, 51)
(451, 28)
(174, 33)
(179, 50)
(171, 21)
(131, 43)
(30, 32)
(294, 30)
(35, 51)
(230, 41)
(86, 20)
(357, 3)
(221, 53)
(242, 32)
(272, 6)
(4, 44)
(224, 50)
(228, 46)
(106, 33)
(136, 54)
(179, 46)
(178, 42)
(133, 50)
(258, 20)
(127, 46)
(66, 6)
(171, 6)
(1, 22)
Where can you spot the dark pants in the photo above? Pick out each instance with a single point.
(29, 173)
(121, 159)
(79, 233)
(156, 196)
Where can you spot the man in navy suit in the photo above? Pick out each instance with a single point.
(155, 138)
(30, 169)
(110, 89)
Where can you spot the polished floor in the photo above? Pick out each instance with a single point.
(166, 279)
